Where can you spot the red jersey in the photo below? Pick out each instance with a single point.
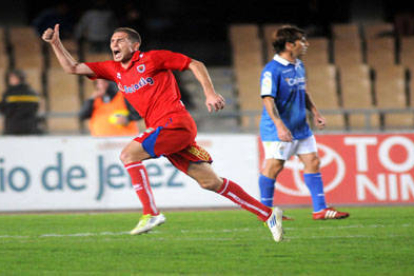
(148, 83)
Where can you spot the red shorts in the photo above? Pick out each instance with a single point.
(174, 138)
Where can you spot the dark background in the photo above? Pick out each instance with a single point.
(200, 28)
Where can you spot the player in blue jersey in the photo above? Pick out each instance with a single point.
(283, 127)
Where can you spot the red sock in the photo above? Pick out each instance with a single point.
(140, 181)
(236, 194)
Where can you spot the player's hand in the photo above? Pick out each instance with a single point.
(215, 102)
(284, 134)
(122, 120)
(319, 121)
(51, 35)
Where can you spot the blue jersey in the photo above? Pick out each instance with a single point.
(286, 83)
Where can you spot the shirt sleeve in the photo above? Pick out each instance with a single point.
(170, 60)
(268, 84)
(103, 70)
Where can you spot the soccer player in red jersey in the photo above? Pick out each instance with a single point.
(146, 81)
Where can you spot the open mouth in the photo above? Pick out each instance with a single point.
(117, 54)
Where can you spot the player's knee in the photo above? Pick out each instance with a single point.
(124, 156)
(212, 184)
(127, 157)
(315, 163)
(272, 168)
(277, 169)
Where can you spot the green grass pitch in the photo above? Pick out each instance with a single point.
(373, 241)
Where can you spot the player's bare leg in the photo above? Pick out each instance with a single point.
(206, 177)
(311, 162)
(204, 174)
(313, 180)
(272, 167)
(132, 156)
(133, 152)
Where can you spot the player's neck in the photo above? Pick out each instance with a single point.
(288, 56)
(125, 64)
(127, 61)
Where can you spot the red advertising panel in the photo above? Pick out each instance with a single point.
(356, 169)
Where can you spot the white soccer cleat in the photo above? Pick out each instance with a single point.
(274, 222)
(146, 223)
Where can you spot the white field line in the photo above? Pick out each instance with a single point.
(206, 231)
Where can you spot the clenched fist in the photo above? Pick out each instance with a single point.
(50, 35)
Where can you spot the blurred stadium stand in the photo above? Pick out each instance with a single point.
(359, 74)
(356, 80)
(357, 93)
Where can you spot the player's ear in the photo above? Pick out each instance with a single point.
(289, 45)
(136, 46)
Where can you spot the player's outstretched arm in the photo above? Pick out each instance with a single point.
(214, 101)
(68, 63)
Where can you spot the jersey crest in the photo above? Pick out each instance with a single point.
(141, 68)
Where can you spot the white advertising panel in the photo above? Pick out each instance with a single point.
(84, 173)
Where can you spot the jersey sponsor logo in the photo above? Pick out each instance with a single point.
(136, 86)
(294, 81)
(141, 68)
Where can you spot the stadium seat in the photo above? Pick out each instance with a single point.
(88, 87)
(243, 32)
(323, 89)
(3, 83)
(407, 51)
(391, 94)
(318, 51)
(222, 78)
(381, 52)
(4, 57)
(248, 64)
(27, 48)
(34, 79)
(356, 91)
(346, 31)
(376, 30)
(63, 91)
(248, 87)
(411, 86)
(347, 52)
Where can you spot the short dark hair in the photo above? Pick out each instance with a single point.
(287, 33)
(132, 34)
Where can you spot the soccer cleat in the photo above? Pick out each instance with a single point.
(274, 222)
(146, 223)
(329, 213)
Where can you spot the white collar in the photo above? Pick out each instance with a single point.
(283, 61)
